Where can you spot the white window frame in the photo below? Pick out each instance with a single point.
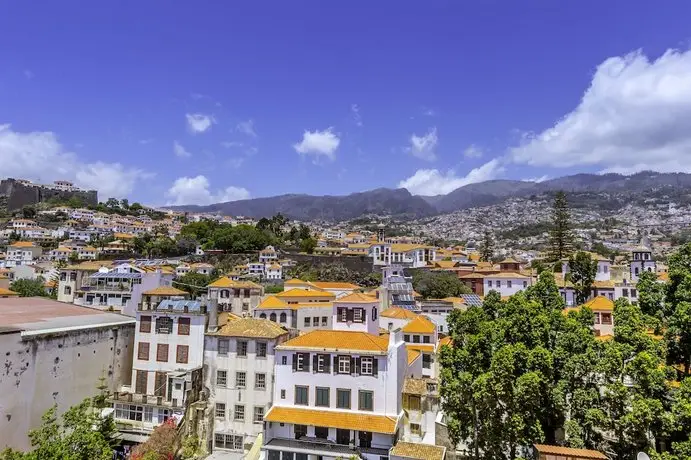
(221, 381)
(344, 364)
(357, 315)
(241, 379)
(367, 365)
(320, 363)
(300, 365)
(257, 385)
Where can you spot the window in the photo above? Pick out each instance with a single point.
(509, 283)
(498, 283)
(223, 347)
(162, 352)
(220, 410)
(284, 360)
(342, 436)
(365, 439)
(413, 402)
(164, 325)
(261, 349)
(525, 284)
(240, 379)
(343, 398)
(344, 364)
(322, 397)
(283, 394)
(625, 292)
(307, 321)
(325, 321)
(300, 431)
(322, 363)
(374, 312)
(182, 354)
(415, 429)
(321, 432)
(68, 290)
(366, 366)
(426, 361)
(221, 378)
(259, 381)
(262, 316)
(242, 348)
(141, 382)
(258, 415)
(145, 324)
(128, 412)
(489, 283)
(283, 317)
(606, 318)
(184, 326)
(143, 351)
(228, 441)
(365, 400)
(160, 383)
(406, 338)
(416, 339)
(357, 315)
(597, 318)
(272, 317)
(300, 364)
(633, 293)
(302, 395)
(425, 339)
(342, 315)
(239, 412)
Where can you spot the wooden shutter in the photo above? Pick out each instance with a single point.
(143, 352)
(335, 364)
(315, 358)
(162, 352)
(141, 382)
(160, 384)
(327, 364)
(306, 361)
(145, 324)
(357, 366)
(295, 362)
(364, 315)
(182, 354)
(375, 366)
(349, 315)
(184, 326)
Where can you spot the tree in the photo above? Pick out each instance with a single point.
(125, 204)
(582, 271)
(29, 287)
(194, 283)
(438, 285)
(308, 245)
(112, 204)
(487, 247)
(136, 207)
(29, 212)
(561, 237)
(73, 257)
(161, 445)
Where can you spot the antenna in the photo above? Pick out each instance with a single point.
(642, 456)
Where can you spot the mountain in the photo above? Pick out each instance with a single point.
(381, 201)
(401, 203)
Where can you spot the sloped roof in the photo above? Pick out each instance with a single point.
(303, 293)
(164, 290)
(251, 327)
(225, 282)
(418, 451)
(420, 325)
(412, 356)
(398, 313)
(347, 420)
(333, 285)
(272, 302)
(7, 292)
(339, 341)
(357, 297)
(600, 303)
(569, 452)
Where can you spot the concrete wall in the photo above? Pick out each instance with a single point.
(19, 195)
(61, 369)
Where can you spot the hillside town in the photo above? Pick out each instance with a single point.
(247, 360)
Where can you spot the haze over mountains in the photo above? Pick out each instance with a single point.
(400, 202)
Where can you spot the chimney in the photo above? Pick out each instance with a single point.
(212, 303)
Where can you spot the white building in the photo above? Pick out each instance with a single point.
(239, 359)
(238, 297)
(273, 271)
(268, 255)
(22, 253)
(506, 283)
(603, 267)
(641, 260)
(404, 254)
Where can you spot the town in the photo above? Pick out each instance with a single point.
(245, 339)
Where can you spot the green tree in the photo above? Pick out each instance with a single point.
(125, 204)
(73, 257)
(487, 247)
(29, 287)
(307, 245)
(194, 283)
(582, 272)
(561, 236)
(136, 207)
(438, 285)
(29, 212)
(112, 204)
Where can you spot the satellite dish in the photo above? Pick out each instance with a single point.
(642, 456)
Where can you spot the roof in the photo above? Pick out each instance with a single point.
(418, 451)
(405, 247)
(415, 386)
(22, 244)
(7, 292)
(295, 281)
(272, 302)
(503, 275)
(568, 451)
(251, 327)
(304, 293)
(445, 341)
(333, 285)
(398, 313)
(600, 303)
(412, 356)
(182, 306)
(420, 325)
(509, 260)
(164, 290)
(339, 341)
(225, 282)
(347, 420)
(89, 265)
(357, 297)
(426, 347)
(35, 314)
(592, 255)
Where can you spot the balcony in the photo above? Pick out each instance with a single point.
(137, 398)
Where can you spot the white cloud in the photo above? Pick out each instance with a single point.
(247, 127)
(318, 143)
(634, 116)
(357, 118)
(424, 146)
(537, 179)
(199, 123)
(473, 151)
(434, 182)
(180, 151)
(195, 190)
(39, 156)
(146, 141)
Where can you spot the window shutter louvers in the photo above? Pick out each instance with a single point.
(327, 364)
(335, 364)
(349, 315)
(295, 362)
(375, 366)
(306, 361)
(314, 362)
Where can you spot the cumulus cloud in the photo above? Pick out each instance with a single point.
(199, 123)
(424, 146)
(180, 151)
(318, 143)
(39, 156)
(434, 182)
(247, 128)
(196, 190)
(634, 116)
(473, 151)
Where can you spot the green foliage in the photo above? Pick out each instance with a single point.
(335, 271)
(191, 447)
(525, 231)
(438, 285)
(194, 283)
(273, 289)
(232, 239)
(561, 237)
(29, 287)
(307, 245)
(582, 271)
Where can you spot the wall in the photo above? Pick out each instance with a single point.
(361, 264)
(41, 371)
(19, 195)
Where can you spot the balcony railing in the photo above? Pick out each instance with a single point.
(137, 398)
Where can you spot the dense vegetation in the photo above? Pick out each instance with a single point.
(110, 206)
(29, 287)
(333, 272)
(438, 285)
(522, 371)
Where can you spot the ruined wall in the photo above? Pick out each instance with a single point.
(19, 195)
(41, 371)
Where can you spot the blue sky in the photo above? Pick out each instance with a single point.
(193, 102)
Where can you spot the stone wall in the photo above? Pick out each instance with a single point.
(19, 195)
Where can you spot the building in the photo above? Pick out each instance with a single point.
(273, 271)
(268, 255)
(397, 289)
(73, 277)
(420, 334)
(545, 452)
(167, 364)
(239, 358)
(603, 267)
(55, 353)
(506, 283)
(421, 406)
(603, 309)
(338, 289)
(416, 451)
(22, 253)
(304, 317)
(238, 297)
(641, 260)
(404, 254)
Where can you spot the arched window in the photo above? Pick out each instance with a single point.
(283, 317)
(374, 313)
(272, 317)
(263, 316)
(225, 294)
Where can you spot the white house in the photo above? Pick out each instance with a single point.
(239, 358)
(506, 283)
(22, 253)
(273, 271)
(404, 254)
(268, 255)
(238, 297)
(641, 260)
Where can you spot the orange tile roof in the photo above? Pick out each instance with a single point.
(398, 313)
(6, 292)
(22, 244)
(418, 451)
(251, 327)
(412, 356)
(346, 420)
(296, 281)
(357, 297)
(569, 452)
(445, 341)
(304, 293)
(664, 276)
(272, 302)
(600, 303)
(426, 347)
(420, 325)
(225, 282)
(339, 341)
(165, 290)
